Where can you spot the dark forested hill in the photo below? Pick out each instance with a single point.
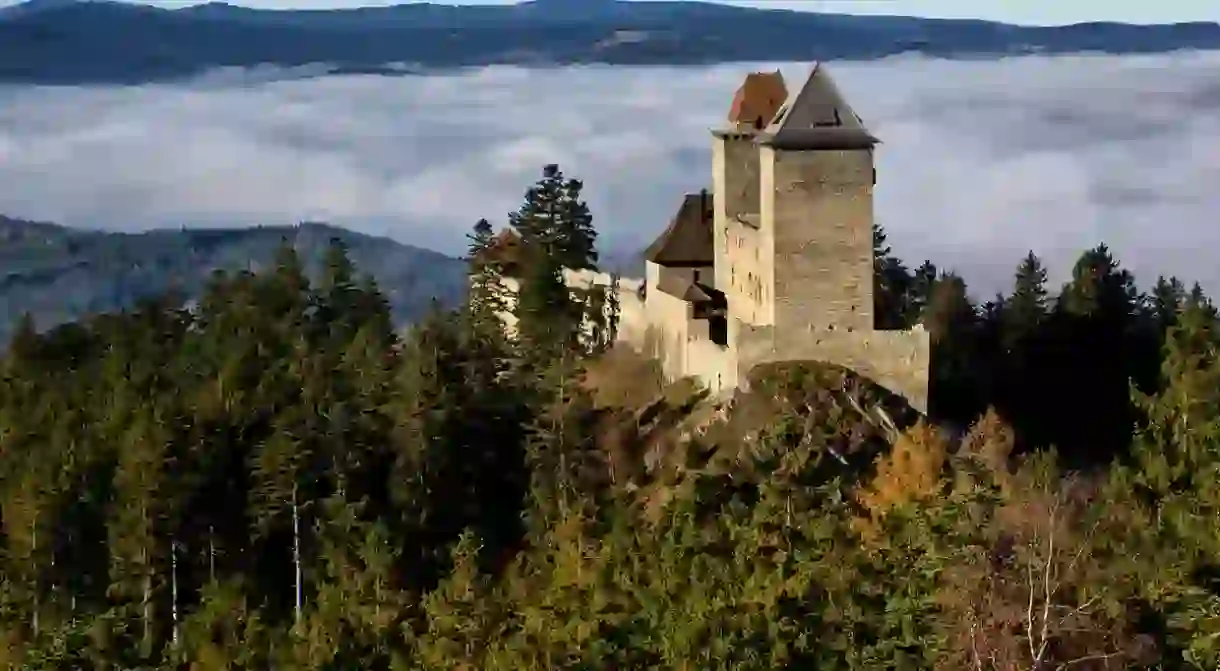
(74, 41)
(58, 274)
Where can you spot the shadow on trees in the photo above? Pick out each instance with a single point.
(1059, 367)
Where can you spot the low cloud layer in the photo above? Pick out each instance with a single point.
(981, 160)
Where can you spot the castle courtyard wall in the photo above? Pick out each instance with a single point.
(897, 360)
(633, 319)
(681, 344)
(662, 327)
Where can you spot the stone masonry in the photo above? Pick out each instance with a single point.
(775, 262)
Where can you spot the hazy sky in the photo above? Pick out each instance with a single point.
(1037, 12)
(981, 161)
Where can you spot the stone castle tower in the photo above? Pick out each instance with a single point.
(775, 262)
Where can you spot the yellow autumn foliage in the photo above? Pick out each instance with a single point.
(912, 471)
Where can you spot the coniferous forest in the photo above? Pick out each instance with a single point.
(272, 478)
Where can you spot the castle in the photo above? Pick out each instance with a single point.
(775, 262)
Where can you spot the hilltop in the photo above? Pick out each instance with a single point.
(97, 41)
(60, 274)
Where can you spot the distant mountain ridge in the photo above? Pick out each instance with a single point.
(59, 274)
(100, 41)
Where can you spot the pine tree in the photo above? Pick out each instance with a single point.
(554, 219)
(953, 326)
(919, 292)
(1177, 467)
(486, 300)
(549, 319)
(1199, 299)
(1166, 300)
(893, 283)
(1100, 289)
(579, 248)
(1026, 308)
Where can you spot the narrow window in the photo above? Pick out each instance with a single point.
(718, 327)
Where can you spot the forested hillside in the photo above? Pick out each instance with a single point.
(70, 42)
(275, 479)
(59, 274)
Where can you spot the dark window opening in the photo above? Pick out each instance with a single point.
(828, 123)
(718, 330)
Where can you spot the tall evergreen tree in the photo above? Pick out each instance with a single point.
(893, 284)
(1167, 299)
(1199, 299)
(486, 300)
(952, 323)
(555, 219)
(1100, 289)
(1026, 308)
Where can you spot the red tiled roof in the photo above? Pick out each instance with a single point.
(758, 99)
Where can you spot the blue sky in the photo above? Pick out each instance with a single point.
(1036, 12)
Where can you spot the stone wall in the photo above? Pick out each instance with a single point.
(742, 250)
(633, 321)
(821, 211)
(735, 175)
(897, 360)
(744, 266)
(667, 332)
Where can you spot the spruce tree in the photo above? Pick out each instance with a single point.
(1199, 299)
(548, 316)
(555, 219)
(486, 298)
(1162, 307)
(892, 285)
(579, 247)
(1026, 308)
(952, 323)
(1100, 289)
(919, 292)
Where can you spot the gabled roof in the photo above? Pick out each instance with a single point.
(817, 117)
(688, 239)
(758, 98)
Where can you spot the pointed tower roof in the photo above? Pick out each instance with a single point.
(817, 117)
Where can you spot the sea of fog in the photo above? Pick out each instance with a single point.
(981, 161)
